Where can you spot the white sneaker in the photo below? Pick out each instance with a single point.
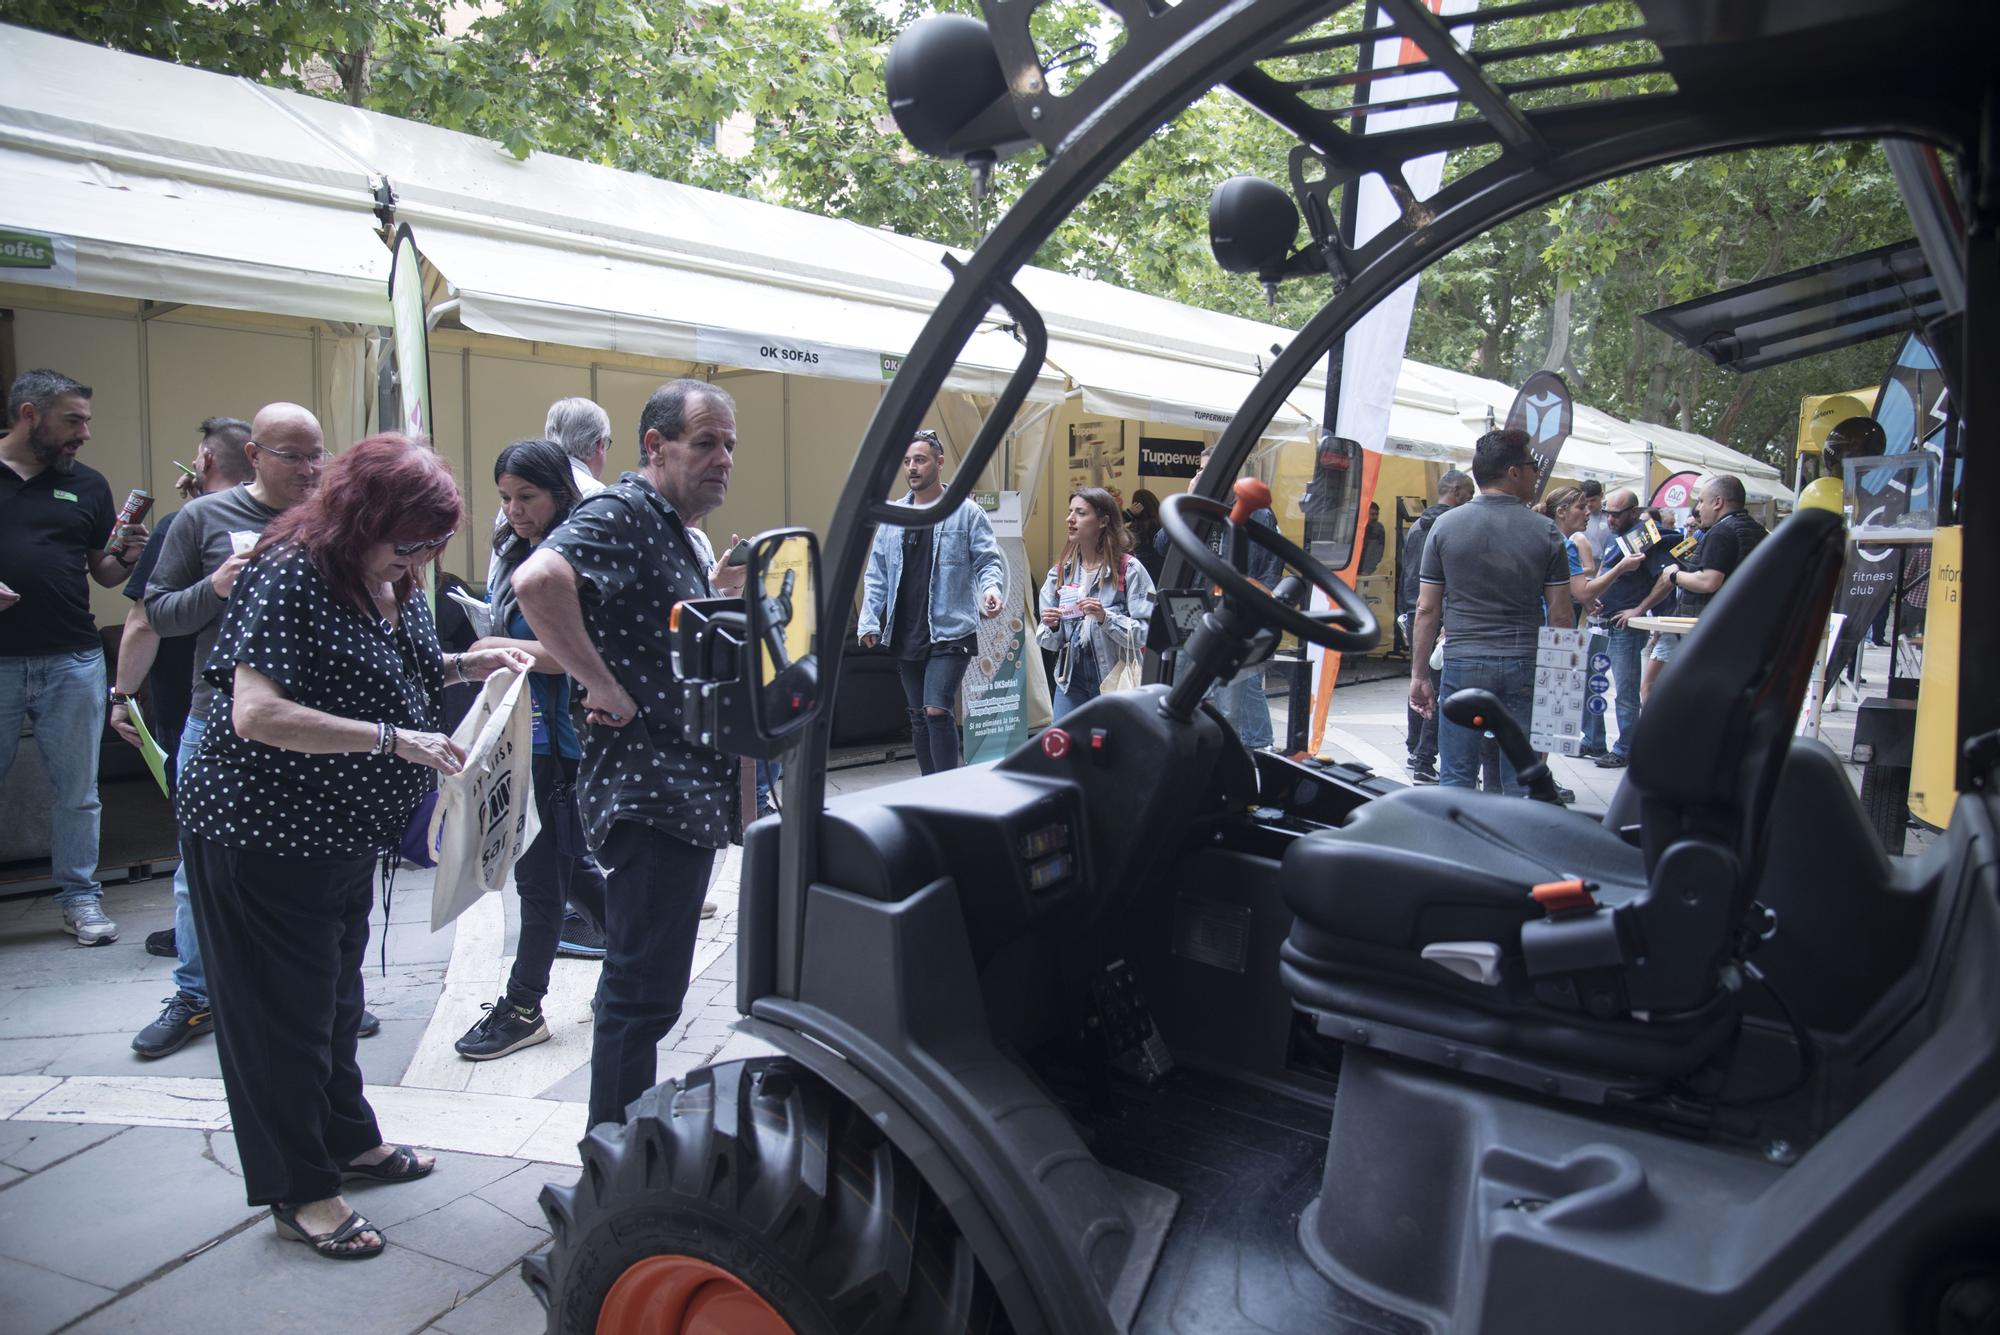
(87, 920)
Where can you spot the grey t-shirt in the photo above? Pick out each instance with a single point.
(179, 598)
(1496, 559)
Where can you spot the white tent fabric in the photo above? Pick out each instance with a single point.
(155, 181)
(1680, 450)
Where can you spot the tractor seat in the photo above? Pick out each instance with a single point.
(1417, 926)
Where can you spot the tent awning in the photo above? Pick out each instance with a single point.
(621, 298)
(96, 228)
(1150, 387)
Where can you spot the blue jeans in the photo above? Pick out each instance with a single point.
(189, 976)
(63, 695)
(1084, 684)
(1628, 647)
(1243, 702)
(930, 690)
(1513, 681)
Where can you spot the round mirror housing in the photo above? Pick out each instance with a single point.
(944, 81)
(1252, 225)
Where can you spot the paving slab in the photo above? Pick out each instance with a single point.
(111, 1054)
(104, 1006)
(121, 1210)
(33, 1146)
(519, 1193)
(256, 1281)
(388, 1204)
(507, 1306)
(39, 1301)
(469, 1232)
(27, 1056)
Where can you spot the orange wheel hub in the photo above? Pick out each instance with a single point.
(681, 1295)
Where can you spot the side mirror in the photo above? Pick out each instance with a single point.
(1332, 503)
(781, 599)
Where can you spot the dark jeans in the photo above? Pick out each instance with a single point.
(932, 684)
(546, 882)
(653, 891)
(283, 939)
(1459, 749)
(1628, 651)
(1422, 739)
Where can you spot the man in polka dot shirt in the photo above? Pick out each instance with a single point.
(597, 594)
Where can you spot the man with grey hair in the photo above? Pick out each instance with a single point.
(56, 521)
(1454, 489)
(583, 429)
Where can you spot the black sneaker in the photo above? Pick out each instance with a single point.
(1611, 760)
(1566, 796)
(1593, 752)
(371, 1025)
(182, 1020)
(1423, 773)
(162, 944)
(581, 938)
(503, 1029)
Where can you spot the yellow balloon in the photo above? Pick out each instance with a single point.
(1823, 493)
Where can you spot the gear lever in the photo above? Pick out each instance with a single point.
(1481, 709)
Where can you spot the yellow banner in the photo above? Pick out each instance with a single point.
(1934, 763)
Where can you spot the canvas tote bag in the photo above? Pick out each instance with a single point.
(486, 812)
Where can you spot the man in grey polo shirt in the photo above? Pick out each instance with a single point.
(1489, 567)
(186, 595)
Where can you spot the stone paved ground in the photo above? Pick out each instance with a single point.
(121, 1205)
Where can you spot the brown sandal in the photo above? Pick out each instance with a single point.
(331, 1245)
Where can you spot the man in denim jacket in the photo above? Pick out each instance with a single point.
(917, 598)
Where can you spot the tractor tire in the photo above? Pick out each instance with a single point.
(756, 1190)
(1885, 796)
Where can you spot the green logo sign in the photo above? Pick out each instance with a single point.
(66, 496)
(26, 250)
(989, 501)
(890, 365)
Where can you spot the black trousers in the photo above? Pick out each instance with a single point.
(284, 938)
(654, 886)
(547, 881)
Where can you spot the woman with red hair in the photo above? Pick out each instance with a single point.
(331, 689)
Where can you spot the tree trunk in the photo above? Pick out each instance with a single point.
(1725, 425)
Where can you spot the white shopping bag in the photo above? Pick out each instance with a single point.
(486, 812)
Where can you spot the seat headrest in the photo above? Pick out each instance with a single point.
(1718, 723)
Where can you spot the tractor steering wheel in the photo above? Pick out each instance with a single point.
(1348, 626)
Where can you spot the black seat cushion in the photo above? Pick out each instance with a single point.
(1449, 864)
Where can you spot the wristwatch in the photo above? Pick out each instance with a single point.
(119, 699)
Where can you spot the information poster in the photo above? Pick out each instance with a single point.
(998, 680)
(1566, 679)
(1097, 456)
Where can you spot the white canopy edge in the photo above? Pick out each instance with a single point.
(173, 240)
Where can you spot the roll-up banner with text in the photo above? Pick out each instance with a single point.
(1005, 675)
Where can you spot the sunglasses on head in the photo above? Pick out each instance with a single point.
(424, 545)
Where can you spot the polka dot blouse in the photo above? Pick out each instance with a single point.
(285, 621)
(634, 559)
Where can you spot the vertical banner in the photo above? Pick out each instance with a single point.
(413, 359)
(1006, 663)
(1546, 412)
(1372, 353)
(1910, 408)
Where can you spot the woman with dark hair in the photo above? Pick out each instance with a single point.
(1142, 520)
(1096, 600)
(537, 492)
(331, 684)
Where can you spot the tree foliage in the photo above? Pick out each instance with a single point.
(643, 85)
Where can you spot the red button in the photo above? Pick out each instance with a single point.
(1055, 743)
